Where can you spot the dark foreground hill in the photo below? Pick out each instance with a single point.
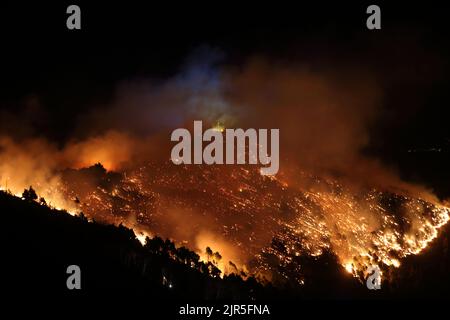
(40, 243)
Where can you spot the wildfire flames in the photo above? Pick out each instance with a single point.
(238, 212)
(256, 222)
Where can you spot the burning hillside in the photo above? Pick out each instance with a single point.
(258, 222)
(328, 196)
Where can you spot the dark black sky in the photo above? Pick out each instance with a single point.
(124, 39)
(68, 71)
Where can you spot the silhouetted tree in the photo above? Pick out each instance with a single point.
(29, 195)
(188, 257)
(83, 217)
(169, 247)
(217, 257)
(194, 259)
(155, 245)
(209, 253)
(181, 255)
(42, 201)
(213, 270)
(233, 266)
(204, 268)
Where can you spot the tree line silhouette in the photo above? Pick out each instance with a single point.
(41, 242)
